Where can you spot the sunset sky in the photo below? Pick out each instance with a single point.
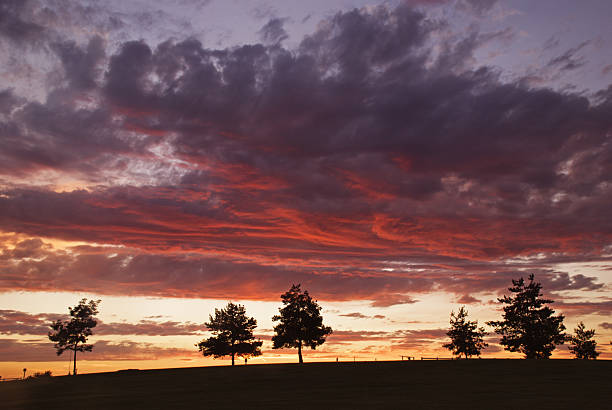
(399, 159)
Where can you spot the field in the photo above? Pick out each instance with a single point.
(474, 384)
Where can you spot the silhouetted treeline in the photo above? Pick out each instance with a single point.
(528, 326)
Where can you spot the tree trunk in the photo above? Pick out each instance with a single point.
(233, 358)
(74, 369)
(300, 352)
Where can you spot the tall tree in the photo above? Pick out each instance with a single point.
(529, 326)
(582, 343)
(466, 337)
(300, 324)
(233, 334)
(72, 334)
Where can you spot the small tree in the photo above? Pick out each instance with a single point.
(582, 343)
(529, 326)
(300, 324)
(233, 334)
(466, 337)
(72, 334)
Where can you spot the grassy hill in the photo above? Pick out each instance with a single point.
(475, 384)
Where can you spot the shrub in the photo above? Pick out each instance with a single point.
(40, 375)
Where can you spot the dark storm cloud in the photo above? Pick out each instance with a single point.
(8, 101)
(57, 135)
(333, 101)
(358, 85)
(14, 24)
(365, 145)
(82, 66)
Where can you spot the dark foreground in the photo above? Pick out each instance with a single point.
(475, 384)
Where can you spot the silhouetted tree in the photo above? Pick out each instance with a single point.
(529, 326)
(582, 343)
(233, 334)
(72, 334)
(466, 337)
(300, 324)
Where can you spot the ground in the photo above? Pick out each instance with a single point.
(473, 384)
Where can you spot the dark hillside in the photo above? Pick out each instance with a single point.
(481, 384)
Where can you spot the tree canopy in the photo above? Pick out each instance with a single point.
(528, 325)
(72, 334)
(300, 324)
(466, 337)
(233, 334)
(582, 344)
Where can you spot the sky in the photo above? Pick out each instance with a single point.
(398, 159)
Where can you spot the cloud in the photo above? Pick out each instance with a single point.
(419, 339)
(14, 24)
(586, 308)
(358, 315)
(398, 339)
(363, 163)
(343, 336)
(569, 60)
(20, 323)
(8, 101)
(564, 282)
(151, 328)
(468, 300)
(230, 273)
(18, 351)
(82, 66)
(477, 7)
(392, 299)
(273, 32)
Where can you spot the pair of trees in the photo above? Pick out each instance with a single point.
(529, 326)
(301, 325)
